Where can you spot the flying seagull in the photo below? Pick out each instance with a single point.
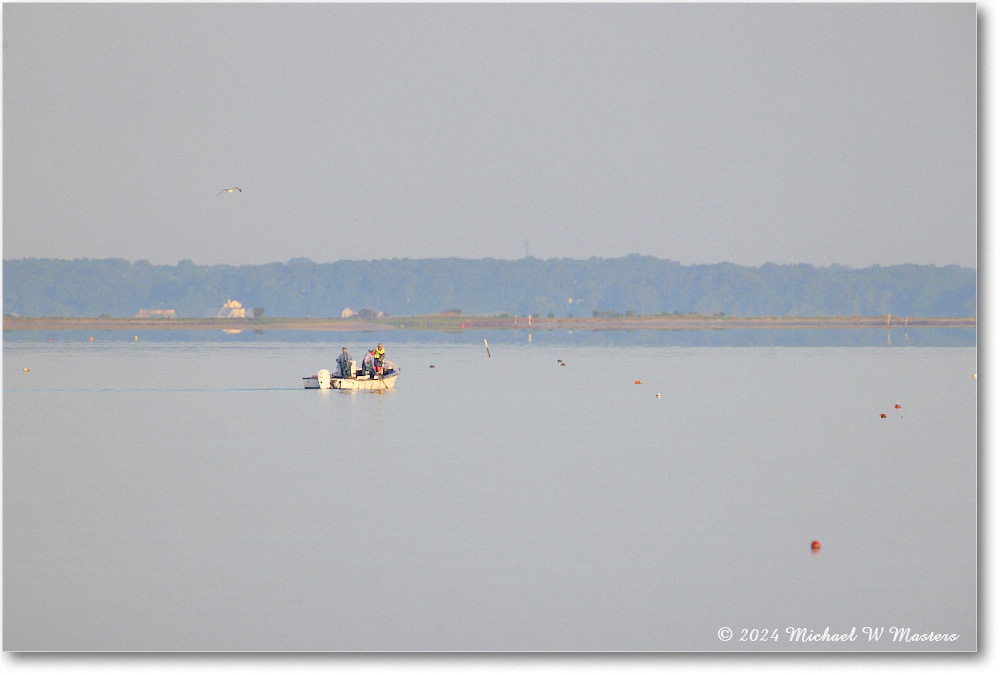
(232, 189)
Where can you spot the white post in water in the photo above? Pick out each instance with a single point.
(487, 347)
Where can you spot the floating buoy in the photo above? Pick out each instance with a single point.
(882, 415)
(898, 406)
(657, 394)
(91, 338)
(432, 366)
(638, 382)
(562, 364)
(815, 545)
(26, 370)
(136, 337)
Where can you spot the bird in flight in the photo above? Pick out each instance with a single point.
(232, 189)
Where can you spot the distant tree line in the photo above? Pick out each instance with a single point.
(633, 285)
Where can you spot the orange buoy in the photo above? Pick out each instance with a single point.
(91, 338)
(898, 406)
(638, 382)
(815, 545)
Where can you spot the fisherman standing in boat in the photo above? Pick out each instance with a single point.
(368, 363)
(379, 354)
(344, 361)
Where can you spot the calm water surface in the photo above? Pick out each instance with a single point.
(190, 495)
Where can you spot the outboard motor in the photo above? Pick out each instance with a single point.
(324, 378)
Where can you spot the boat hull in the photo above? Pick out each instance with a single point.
(323, 380)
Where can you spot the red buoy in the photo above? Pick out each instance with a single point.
(882, 415)
(815, 545)
(898, 406)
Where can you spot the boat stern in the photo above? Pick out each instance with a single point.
(320, 380)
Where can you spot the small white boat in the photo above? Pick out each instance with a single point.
(324, 379)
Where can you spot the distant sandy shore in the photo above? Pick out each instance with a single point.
(446, 322)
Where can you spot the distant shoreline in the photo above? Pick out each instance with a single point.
(448, 322)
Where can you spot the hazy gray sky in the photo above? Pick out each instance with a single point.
(701, 133)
